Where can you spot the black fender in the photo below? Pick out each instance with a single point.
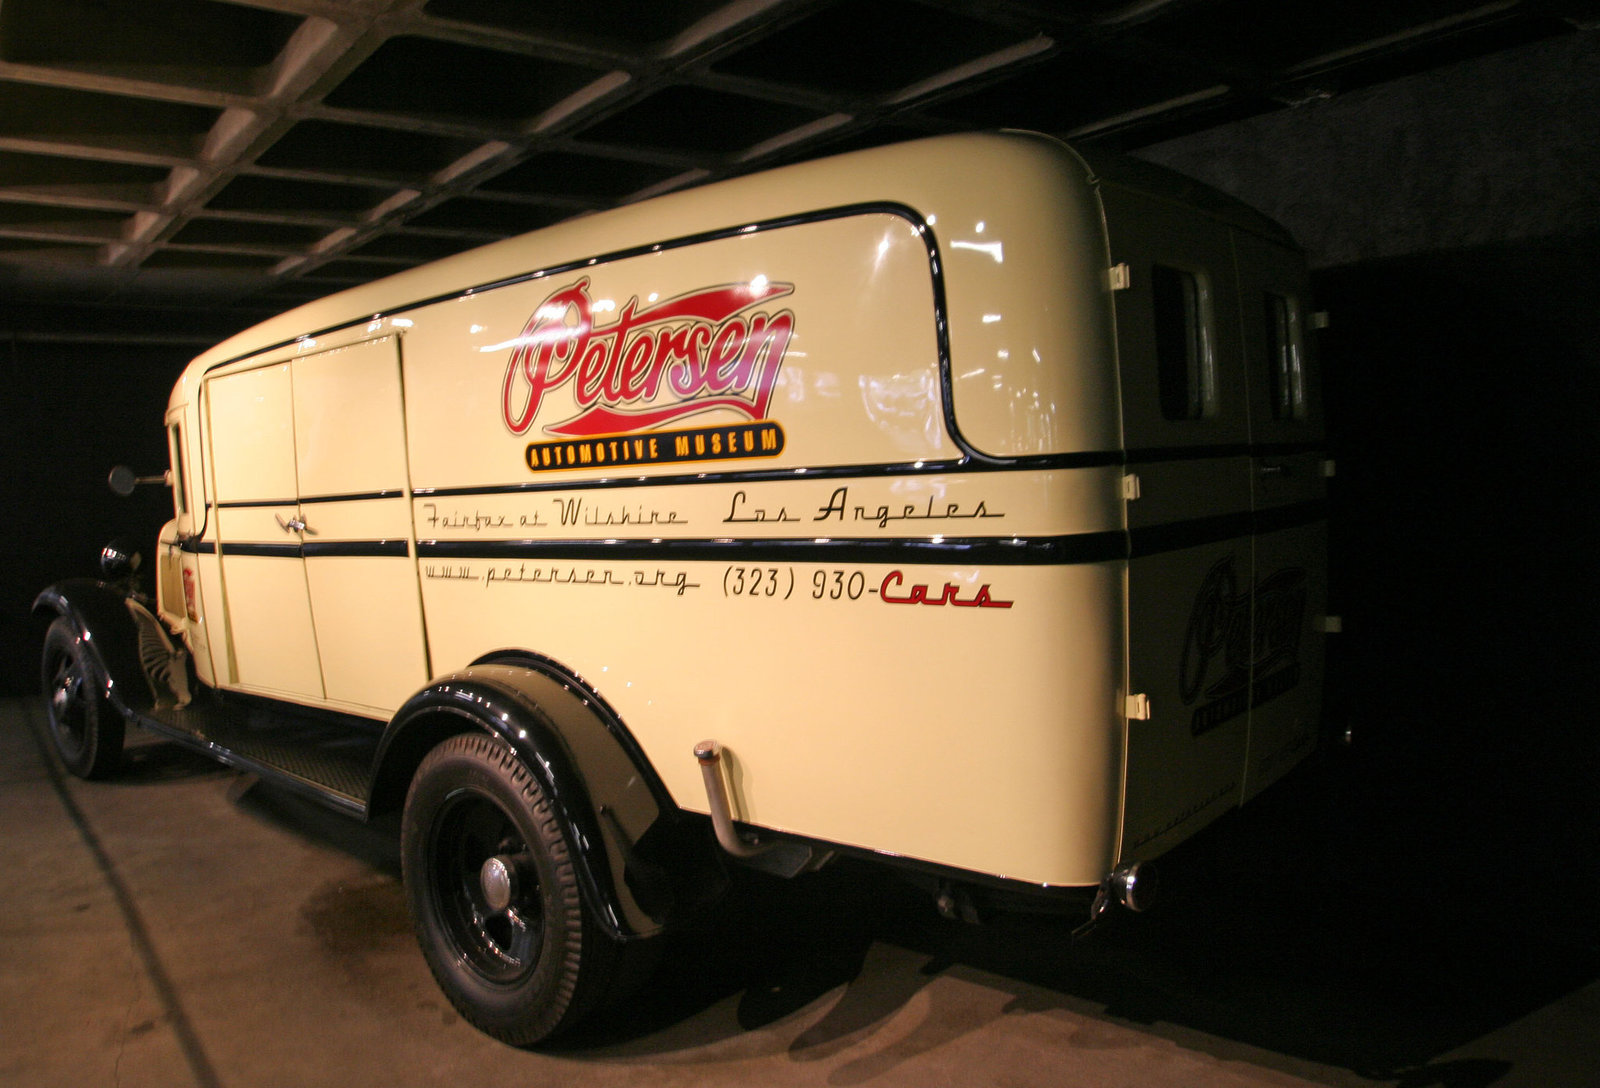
(640, 866)
(109, 637)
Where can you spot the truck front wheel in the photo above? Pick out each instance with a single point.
(493, 894)
(86, 728)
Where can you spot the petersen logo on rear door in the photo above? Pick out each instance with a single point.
(614, 387)
(1259, 661)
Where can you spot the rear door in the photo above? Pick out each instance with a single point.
(1289, 501)
(1186, 431)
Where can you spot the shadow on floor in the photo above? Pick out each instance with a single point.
(1377, 910)
(151, 760)
(1314, 926)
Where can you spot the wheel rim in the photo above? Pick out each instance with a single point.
(69, 709)
(485, 887)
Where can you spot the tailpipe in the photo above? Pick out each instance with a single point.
(1134, 886)
(709, 755)
(778, 857)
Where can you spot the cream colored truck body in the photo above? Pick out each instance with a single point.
(861, 467)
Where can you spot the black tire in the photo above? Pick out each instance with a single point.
(86, 728)
(523, 971)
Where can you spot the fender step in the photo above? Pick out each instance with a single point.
(325, 757)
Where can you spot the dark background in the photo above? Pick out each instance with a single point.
(1452, 219)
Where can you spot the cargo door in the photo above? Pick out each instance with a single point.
(272, 646)
(1188, 494)
(354, 498)
(1289, 499)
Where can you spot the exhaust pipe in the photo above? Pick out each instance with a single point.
(709, 755)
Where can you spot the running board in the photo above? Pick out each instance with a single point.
(326, 758)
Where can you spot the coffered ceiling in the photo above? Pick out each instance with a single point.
(174, 169)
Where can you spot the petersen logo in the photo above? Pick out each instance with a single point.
(1220, 628)
(650, 367)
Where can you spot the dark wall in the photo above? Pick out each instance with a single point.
(70, 412)
(1502, 149)
(1453, 222)
(1463, 426)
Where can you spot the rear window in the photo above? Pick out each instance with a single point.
(1187, 371)
(1286, 375)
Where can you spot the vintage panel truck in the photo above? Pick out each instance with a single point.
(958, 504)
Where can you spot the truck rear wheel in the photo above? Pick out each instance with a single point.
(86, 728)
(494, 896)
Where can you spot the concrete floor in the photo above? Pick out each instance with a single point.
(184, 924)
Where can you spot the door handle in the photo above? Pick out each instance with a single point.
(1274, 470)
(293, 525)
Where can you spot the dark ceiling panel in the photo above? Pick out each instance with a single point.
(235, 232)
(1073, 90)
(46, 252)
(353, 269)
(870, 47)
(1270, 35)
(581, 177)
(327, 147)
(286, 197)
(487, 218)
(858, 138)
(404, 245)
(81, 179)
(202, 260)
(435, 78)
(619, 20)
(93, 119)
(246, 153)
(72, 222)
(148, 33)
(695, 121)
(1382, 65)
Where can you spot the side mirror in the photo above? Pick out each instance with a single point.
(123, 480)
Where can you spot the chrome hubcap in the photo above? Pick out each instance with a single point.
(486, 888)
(498, 880)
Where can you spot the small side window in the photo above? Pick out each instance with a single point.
(180, 492)
(1187, 371)
(1285, 357)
